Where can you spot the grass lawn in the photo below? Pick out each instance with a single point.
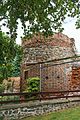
(69, 114)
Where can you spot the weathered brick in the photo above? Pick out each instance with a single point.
(39, 49)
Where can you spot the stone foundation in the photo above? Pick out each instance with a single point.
(18, 111)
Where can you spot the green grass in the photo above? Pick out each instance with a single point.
(69, 114)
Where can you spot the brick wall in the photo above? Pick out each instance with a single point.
(75, 79)
(16, 85)
(39, 49)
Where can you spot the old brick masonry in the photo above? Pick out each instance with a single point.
(53, 78)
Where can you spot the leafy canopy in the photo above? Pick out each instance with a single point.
(41, 15)
(7, 48)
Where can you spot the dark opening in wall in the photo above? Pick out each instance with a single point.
(46, 77)
(26, 75)
(58, 76)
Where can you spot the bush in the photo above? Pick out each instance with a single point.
(9, 98)
(1, 118)
(2, 88)
(1, 78)
(33, 84)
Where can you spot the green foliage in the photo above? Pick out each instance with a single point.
(7, 54)
(2, 88)
(5, 71)
(42, 15)
(10, 57)
(16, 62)
(9, 98)
(33, 84)
(1, 75)
(1, 117)
(7, 48)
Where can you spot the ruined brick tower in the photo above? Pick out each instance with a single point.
(40, 49)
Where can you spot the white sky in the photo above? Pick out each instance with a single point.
(69, 30)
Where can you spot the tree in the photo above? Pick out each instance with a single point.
(8, 50)
(16, 62)
(42, 15)
(6, 55)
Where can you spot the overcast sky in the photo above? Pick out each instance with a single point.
(69, 30)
